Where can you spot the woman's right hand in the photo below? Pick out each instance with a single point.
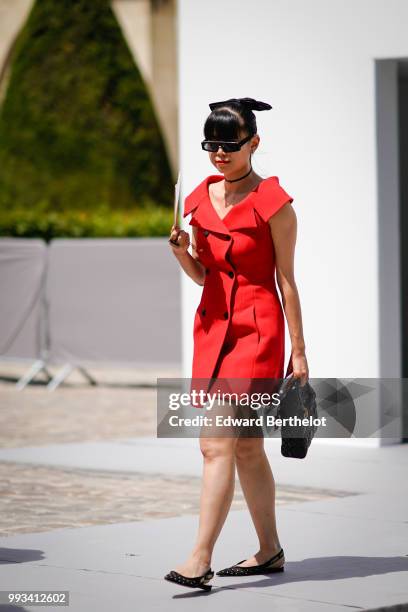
(181, 238)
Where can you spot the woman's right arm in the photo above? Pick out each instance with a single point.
(190, 263)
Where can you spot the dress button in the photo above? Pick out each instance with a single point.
(203, 311)
(206, 232)
(207, 270)
(231, 274)
(226, 314)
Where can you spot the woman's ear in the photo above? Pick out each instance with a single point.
(255, 144)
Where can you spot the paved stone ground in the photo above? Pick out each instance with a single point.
(40, 498)
(123, 406)
(35, 498)
(35, 417)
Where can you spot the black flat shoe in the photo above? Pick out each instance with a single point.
(252, 570)
(197, 582)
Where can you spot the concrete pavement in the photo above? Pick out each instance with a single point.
(342, 513)
(345, 552)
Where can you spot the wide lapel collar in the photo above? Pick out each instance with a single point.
(240, 216)
(204, 214)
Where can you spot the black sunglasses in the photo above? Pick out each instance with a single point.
(227, 147)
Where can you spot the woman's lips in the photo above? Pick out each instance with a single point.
(222, 162)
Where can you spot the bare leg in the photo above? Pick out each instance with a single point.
(256, 477)
(216, 496)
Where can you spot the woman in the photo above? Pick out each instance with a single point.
(244, 228)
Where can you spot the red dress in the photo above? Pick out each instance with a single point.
(239, 328)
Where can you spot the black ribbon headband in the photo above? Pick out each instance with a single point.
(249, 102)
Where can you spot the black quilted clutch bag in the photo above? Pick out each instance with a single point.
(300, 401)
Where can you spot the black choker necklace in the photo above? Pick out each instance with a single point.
(238, 179)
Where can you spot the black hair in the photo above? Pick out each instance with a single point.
(227, 121)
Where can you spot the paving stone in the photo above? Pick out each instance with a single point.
(37, 498)
(35, 416)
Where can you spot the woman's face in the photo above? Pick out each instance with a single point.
(237, 162)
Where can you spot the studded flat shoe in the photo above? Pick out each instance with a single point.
(197, 582)
(264, 568)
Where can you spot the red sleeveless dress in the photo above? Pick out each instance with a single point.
(239, 328)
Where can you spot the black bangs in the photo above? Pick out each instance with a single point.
(223, 125)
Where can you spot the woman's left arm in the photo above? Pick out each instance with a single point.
(283, 226)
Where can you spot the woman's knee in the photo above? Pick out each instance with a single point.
(217, 447)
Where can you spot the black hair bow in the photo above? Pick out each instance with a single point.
(249, 102)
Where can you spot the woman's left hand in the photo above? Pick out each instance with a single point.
(300, 367)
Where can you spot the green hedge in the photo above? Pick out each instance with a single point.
(77, 129)
(99, 223)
